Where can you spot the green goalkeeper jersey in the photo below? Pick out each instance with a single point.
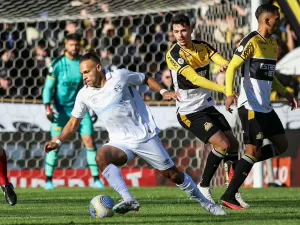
(63, 84)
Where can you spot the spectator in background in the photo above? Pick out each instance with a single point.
(6, 89)
(166, 82)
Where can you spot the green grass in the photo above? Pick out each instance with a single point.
(159, 206)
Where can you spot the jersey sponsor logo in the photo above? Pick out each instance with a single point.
(180, 61)
(248, 50)
(173, 62)
(269, 67)
(240, 48)
(207, 126)
(118, 88)
(260, 136)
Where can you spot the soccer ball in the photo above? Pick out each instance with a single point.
(101, 206)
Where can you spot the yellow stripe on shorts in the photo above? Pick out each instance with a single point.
(185, 120)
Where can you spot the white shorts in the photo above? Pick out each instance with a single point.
(152, 151)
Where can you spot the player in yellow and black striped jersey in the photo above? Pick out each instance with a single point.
(257, 52)
(189, 62)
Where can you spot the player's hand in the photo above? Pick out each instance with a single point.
(230, 100)
(49, 113)
(223, 68)
(169, 95)
(50, 146)
(292, 101)
(94, 117)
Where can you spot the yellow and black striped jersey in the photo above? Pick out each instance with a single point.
(259, 55)
(188, 68)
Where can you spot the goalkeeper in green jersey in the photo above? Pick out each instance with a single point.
(62, 86)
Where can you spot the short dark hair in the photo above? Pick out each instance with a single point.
(91, 56)
(181, 19)
(265, 8)
(73, 37)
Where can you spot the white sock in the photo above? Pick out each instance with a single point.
(114, 177)
(191, 189)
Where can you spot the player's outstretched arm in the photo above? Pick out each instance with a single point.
(219, 60)
(154, 85)
(71, 127)
(190, 74)
(233, 66)
(277, 86)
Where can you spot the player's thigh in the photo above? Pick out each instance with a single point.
(271, 124)
(119, 153)
(252, 129)
(201, 125)
(86, 126)
(153, 152)
(61, 120)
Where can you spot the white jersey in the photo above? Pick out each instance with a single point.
(121, 108)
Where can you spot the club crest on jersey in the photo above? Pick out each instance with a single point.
(180, 61)
(118, 88)
(260, 136)
(207, 126)
(240, 48)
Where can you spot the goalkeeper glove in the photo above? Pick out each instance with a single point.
(49, 113)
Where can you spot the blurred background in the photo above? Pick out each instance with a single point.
(134, 35)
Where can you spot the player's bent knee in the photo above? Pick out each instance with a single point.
(102, 160)
(88, 141)
(223, 145)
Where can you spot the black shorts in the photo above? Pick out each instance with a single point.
(204, 124)
(258, 126)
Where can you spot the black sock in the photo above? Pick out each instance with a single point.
(231, 156)
(96, 178)
(242, 170)
(212, 163)
(48, 178)
(267, 152)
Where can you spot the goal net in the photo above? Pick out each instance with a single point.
(132, 34)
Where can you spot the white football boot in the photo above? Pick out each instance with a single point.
(125, 206)
(212, 208)
(206, 191)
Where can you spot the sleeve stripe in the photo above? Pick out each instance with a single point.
(213, 55)
(246, 39)
(179, 71)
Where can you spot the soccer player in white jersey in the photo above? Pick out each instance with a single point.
(258, 52)
(132, 130)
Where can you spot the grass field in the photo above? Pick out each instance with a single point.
(159, 206)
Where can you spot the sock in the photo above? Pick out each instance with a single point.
(212, 163)
(114, 177)
(189, 187)
(242, 170)
(3, 170)
(51, 162)
(231, 156)
(267, 152)
(91, 161)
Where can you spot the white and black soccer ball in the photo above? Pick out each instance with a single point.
(101, 206)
